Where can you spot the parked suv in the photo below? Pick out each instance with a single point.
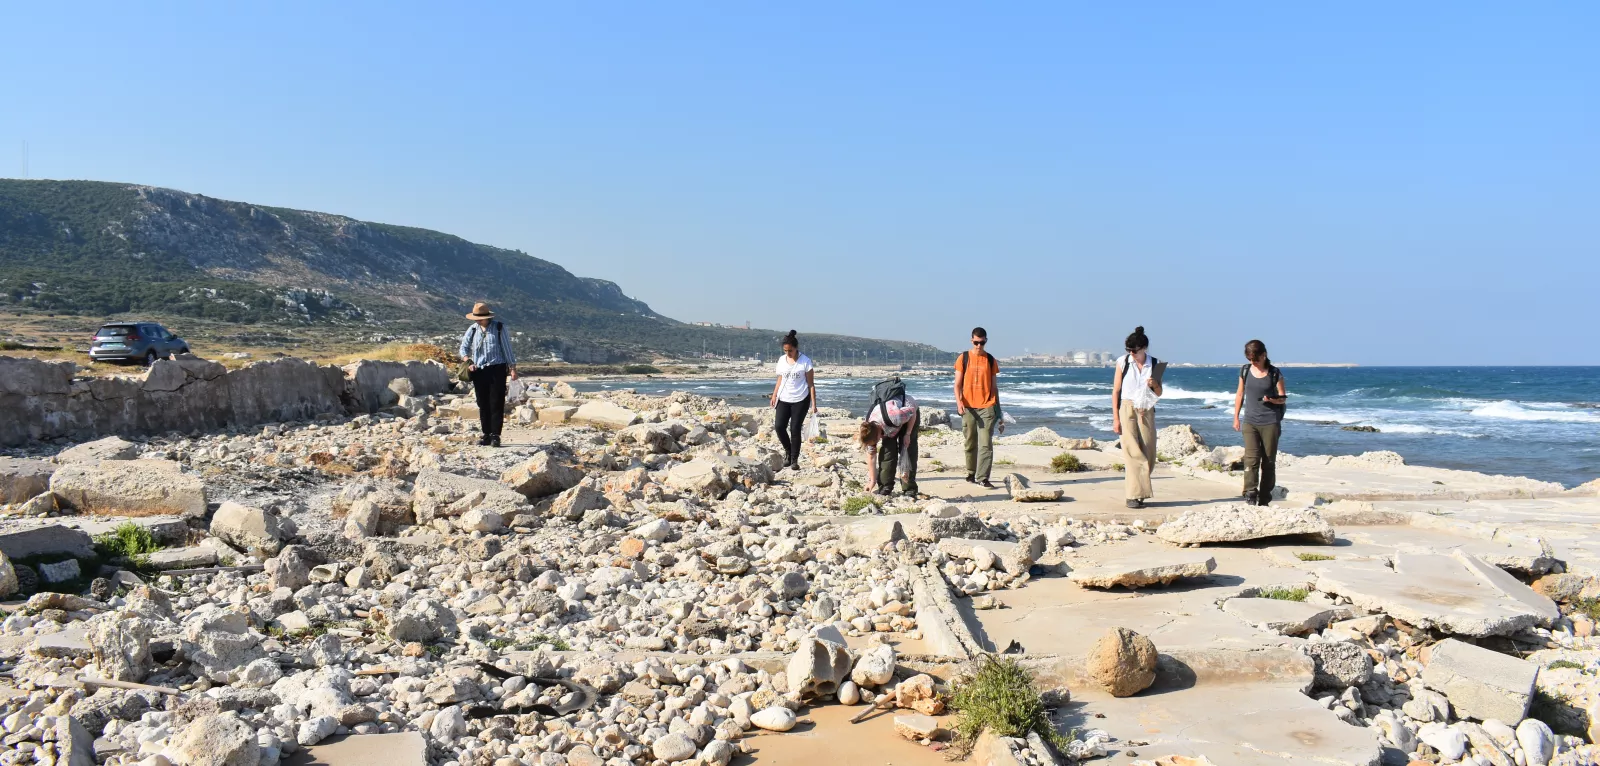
(135, 341)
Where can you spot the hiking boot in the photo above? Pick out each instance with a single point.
(494, 441)
(483, 441)
(987, 484)
(972, 479)
(1135, 504)
(1264, 499)
(1251, 498)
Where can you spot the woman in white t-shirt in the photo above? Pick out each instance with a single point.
(794, 394)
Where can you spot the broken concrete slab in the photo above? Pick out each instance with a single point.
(1290, 618)
(24, 539)
(183, 558)
(1013, 558)
(439, 493)
(21, 480)
(129, 488)
(72, 642)
(1238, 522)
(108, 448)
(601, 414)
(1023, 492)
(401, 749)
(542, 475)
(1142, 571)
(1447, 593)
(1481, 684)
(249, 529)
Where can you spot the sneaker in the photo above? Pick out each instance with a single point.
(972, 479)
(494, 441)
(1264, 499)
(987, 484)
(909, 493)
(483, 441)
(1250, 498)
(1135, 504)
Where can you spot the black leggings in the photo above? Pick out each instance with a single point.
(791, 418)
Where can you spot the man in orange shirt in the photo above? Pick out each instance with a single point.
(978, 404)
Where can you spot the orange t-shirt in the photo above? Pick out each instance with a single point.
(977, 382)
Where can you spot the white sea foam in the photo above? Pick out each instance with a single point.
(1509, 410)
(1412, 428)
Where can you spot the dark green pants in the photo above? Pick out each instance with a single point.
(889, 458)
(1260, 457)
(977, 426)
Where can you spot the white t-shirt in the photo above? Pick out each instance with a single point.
(794, 388)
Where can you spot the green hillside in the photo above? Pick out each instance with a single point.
(106, 249)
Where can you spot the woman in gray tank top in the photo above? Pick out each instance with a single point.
(1263, 397)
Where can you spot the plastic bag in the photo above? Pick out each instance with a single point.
(811, 430)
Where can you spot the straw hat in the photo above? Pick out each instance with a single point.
(481, 311)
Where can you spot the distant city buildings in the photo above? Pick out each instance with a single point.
(1067, 359)
(744, 326)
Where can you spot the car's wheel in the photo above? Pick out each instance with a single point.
(150, 357)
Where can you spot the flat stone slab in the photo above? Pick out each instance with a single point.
(22, 539)
(1375, 476)
(1456, 593)
(1480, 683)
(1237, 522)
(402, 749)
(183, 558)
(71, 642)
(1156, 568)
(1290, 618)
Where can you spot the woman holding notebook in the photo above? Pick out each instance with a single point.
(1134, 392)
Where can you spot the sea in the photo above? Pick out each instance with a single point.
(1539, 422)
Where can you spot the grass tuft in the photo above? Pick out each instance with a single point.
(1313, 557)
(1066, 462)
(1284, 594)
(1000, 697)
(1589, 607)
(1565, 665)
(1118, 467)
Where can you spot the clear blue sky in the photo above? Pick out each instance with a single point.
(1371, 182)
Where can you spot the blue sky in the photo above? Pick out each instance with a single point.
(1384, 183)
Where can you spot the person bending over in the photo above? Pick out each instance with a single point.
(889, 437)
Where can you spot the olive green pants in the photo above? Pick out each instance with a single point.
(977, 426)
(1260, 457)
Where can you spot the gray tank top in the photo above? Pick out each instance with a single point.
(1257, 412)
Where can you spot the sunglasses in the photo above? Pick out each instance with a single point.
(980, 342)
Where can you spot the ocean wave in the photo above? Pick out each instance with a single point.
(1102, 422)
(1412, 428)
(1509, 410)
(1211, 397)
(1326, 416)
(1055, 401)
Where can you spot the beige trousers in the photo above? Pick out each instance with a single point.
(1138, 449)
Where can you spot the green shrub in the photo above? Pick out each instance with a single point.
(1066, 462)
(1118, 467)
(1565, 665)
(1284, 594)
(127, 541)
(1313, 557)
(1589, 607)
(641, 369)
(1000, 697)
(855, 505)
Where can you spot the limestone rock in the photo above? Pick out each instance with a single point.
(603, 414)
(423, 620)
(875, 667)
(818, 667)
(1456, 593)
(129, 488)
(215, 740)
(673, 748)
(438, 493)
(1143, 570)
(1021, 491)
(1235, 522)
(1290, 618)
(918, 693)
(120, 643)
(9, 583)
(1123, 662)
(774, 719)
(249, 529)
(577, 501)
(1338, 664)
(542, 475)
(656, 438)
(1178, 440)
(701, 476)
(1481, 683)
(1538, 742)
(915, 726)
(22, 480)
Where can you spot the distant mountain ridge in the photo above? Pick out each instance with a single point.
(99, 248)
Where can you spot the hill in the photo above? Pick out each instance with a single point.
(98, 249)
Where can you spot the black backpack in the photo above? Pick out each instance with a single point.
(884, 391)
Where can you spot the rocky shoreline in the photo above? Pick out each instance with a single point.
(635, 579)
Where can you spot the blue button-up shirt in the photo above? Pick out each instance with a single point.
(489, 346)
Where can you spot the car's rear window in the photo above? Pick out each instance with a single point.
(116, 330)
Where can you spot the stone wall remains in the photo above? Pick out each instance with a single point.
(41, 399)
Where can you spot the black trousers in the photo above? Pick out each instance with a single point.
(889, 448)
(790, 420)
(489, 386)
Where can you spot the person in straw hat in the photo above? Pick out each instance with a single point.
(486, 347)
